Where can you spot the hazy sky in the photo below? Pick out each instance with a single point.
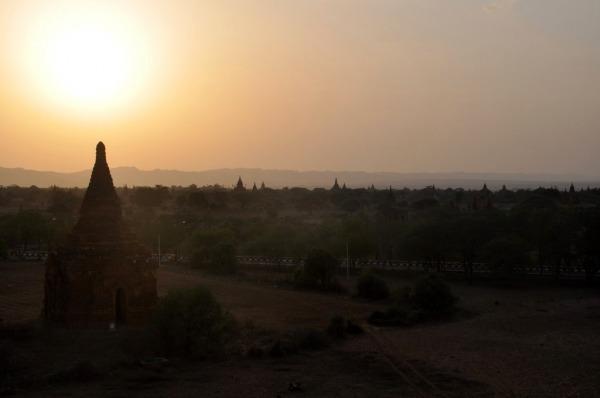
(375, 85)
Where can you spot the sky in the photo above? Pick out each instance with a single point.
(378, 85)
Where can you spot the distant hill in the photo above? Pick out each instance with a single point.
(288, 178)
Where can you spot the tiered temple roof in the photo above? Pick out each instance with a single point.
(102, 275)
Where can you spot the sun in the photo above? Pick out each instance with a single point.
(87, 65)
(89, 58)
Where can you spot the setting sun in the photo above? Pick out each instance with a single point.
(88, 58)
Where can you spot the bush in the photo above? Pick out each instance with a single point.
(402, 297)
(320, 267)
(190, 322)
(220, 259)
(339, 327)
(290, 343)
(372, 287)
(430, 298)
(504, 253)
(310, 339)
(318, 272)
(434, 296)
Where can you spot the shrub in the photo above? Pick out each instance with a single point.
(402, 297)
(220, 259)
(320, 267)
(190, 322)
(353, 328)
(372, 287)
(318, 272)
(430, 298)
(283, 347)
(310, 339)
(339, 327)
(434, 296)
(289, 343)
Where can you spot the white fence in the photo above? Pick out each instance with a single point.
(564, 272)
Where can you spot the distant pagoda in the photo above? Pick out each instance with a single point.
(239, 187)
(483, 199)
(336, 186)
(102, 275)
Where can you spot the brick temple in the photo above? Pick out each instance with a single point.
(102, 275)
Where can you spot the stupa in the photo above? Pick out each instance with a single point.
(101, 276)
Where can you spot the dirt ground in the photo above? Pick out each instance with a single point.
(534, 342)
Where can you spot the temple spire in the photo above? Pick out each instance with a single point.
(101, 198)
(101, 182)
(239, 187)
(335, 186)
(100, 152)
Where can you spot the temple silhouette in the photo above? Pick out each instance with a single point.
(102, 275)
(239, 187)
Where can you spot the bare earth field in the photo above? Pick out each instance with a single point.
(535, 342)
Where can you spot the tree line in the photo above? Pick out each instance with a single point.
(544, 226)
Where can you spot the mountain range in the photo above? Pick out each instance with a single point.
(132, 176)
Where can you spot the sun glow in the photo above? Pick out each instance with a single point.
(87, 58)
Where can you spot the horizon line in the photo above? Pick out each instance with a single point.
(330, 171)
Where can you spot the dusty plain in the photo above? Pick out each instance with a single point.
(515, 342)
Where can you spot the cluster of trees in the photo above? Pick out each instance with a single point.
(27, 229)
(556, 237)
(504, 228)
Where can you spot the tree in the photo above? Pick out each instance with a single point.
(198, 199)
(434, 296)
(357, 233)
(371, 287)
(429, 241)
(150, 197)
(589, 243)
(192, 323)
(63, 201)
(318, 271)
(470, 234)
(504, 253)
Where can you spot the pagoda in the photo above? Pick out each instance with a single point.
(101, 276)
(483, 199)
(336, 186)
(239, 187)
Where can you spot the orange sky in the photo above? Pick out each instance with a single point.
(395, 85)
